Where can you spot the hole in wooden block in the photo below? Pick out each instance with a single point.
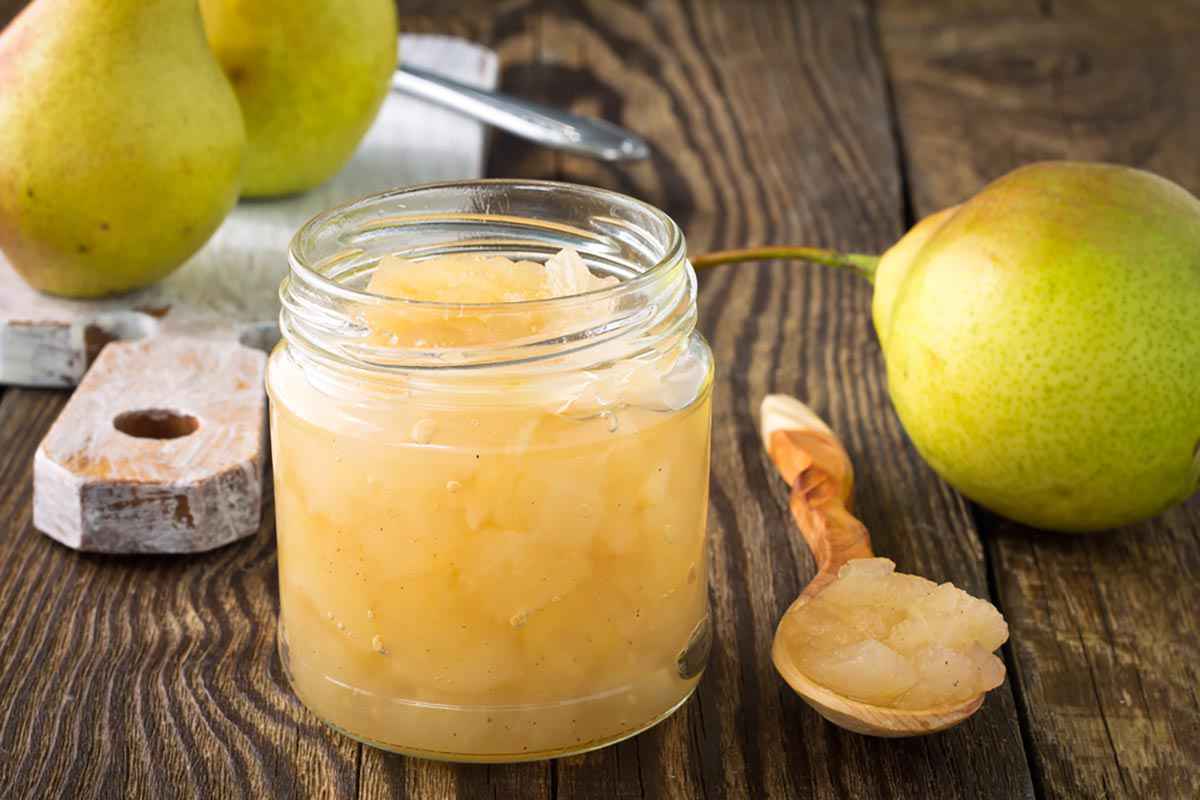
(156, 423)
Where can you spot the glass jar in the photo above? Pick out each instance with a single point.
(493, 551)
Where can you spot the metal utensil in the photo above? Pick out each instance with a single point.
(543, 124)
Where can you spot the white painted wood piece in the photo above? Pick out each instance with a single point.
(161, 449)
(168, 464)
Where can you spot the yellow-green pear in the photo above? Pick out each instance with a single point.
(120, 143)
(310, 75)
(1042, 342)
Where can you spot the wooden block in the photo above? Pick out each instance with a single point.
(160, 450)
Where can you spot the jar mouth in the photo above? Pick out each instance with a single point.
(302, 251)
(329, 312)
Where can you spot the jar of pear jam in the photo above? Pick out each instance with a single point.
(491, 503)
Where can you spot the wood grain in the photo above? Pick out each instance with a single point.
(1105, 636)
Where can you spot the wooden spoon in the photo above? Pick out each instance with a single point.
(811, 459)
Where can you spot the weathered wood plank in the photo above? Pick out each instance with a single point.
(1105, 636)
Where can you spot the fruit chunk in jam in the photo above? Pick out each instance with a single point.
(474, 285)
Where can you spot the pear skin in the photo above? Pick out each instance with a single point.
(120, 143)
(310, 75)
(1043, 344)
(900, 258)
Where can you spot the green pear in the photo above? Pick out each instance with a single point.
(1042, 343)
(120, 143)
(311, 76)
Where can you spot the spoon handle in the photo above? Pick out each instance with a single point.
(544, 124)
(814, 463)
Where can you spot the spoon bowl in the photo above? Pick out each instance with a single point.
(811, 459)
(865, 718)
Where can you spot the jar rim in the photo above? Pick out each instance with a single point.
(326, 309)
(674, 250)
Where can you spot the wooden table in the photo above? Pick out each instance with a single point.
(835, 123)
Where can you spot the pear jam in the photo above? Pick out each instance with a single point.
(487, 562)
(894, 640)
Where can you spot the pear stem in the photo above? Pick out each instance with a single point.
(862, 264)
